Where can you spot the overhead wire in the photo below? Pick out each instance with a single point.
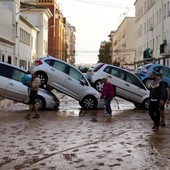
(106, 3)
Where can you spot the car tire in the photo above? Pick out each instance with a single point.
(43, 77)
(98, 85)
(88, 102)
(147, 82)
(138, 105)
(40, 103)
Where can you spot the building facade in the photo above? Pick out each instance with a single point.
(39, 17)
(7, 30)
(26, 43)
(152, 33)
(70, 43)
(123, 44)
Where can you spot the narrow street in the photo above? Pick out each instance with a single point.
(71, 138)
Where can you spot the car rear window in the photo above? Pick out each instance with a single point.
(5, 70)
(17, 74)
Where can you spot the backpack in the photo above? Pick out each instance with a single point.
(27, 79)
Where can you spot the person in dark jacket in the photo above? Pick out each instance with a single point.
(157, 98)
(166, 101)
(107, 95)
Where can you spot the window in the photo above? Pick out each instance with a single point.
(133, 80)
(164, 11)
(165, 71)
(160, 16)
(168, 12)
(23, 64)
(60, 66)
(77, 75)
(4, 72)
(25, 37)
(9, 59)
(3, 58)
(115, 72)
(17, 74)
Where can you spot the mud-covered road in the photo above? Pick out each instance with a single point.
(71, 139)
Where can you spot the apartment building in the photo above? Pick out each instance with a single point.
(70, 43)
(123, 44)
(26, 42)
(152, 33)
(39, 17)
(57, 30)
(7, 30)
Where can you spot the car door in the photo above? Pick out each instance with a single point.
(134, 90)
(57, 75)
(115, 77)
(15, 89)
(73, 83)
(4, 78)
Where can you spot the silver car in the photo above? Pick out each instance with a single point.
(12, 88)
(128, 86)
(67, 79)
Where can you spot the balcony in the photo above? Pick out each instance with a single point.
(165, 48)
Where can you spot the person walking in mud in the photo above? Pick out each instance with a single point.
(107, 95)
(166, 101)
(33, 91)
(156, 99)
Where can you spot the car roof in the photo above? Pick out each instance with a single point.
(13, 66)
(53, 58)
(120, 68)
(154, 64)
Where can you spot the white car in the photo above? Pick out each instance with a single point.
(128, 86)
(67, 79)
(11, 87)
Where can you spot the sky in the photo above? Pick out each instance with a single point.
(94, 20)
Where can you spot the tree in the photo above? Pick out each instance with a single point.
(104, 53)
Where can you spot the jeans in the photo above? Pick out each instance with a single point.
(107, 105)
(154, 112)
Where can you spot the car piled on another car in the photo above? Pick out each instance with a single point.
(128, 86)
(67, 79)
(11, 87)
(143, 72)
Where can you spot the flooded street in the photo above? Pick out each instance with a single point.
(70, 139)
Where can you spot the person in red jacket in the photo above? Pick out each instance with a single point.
(107, 95)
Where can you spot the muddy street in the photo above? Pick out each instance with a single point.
(71, 138)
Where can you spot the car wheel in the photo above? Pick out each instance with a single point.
(88, 102)
(98, 85)
(43, 77)
(40, 103)
(137, 105)
(147, 83)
